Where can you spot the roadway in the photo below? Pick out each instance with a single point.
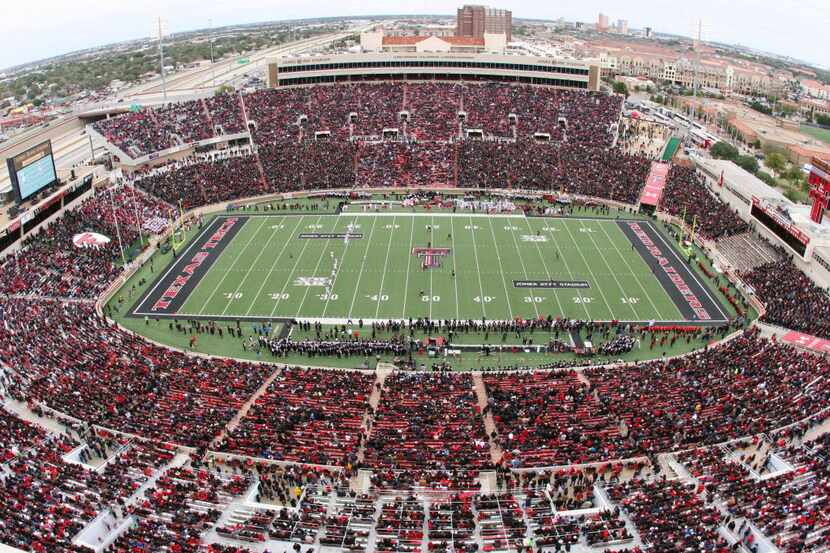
(224, 71)
(70, 143)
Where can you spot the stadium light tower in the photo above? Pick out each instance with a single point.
(212, 66)
(160, 31)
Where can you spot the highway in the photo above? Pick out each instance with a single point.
(224, 71)
(70, 144)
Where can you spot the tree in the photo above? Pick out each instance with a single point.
(822, 119)
(724, 150)
(794, 174)
(775, 161)
(620, 88)
(223, 89)
(747, 163)
(767, 178)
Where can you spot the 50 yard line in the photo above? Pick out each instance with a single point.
(455, 272)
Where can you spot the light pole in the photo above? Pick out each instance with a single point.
(212, 66)
(161, 58)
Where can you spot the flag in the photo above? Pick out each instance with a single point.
(721, 178)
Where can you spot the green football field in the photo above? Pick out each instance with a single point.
(334, 268)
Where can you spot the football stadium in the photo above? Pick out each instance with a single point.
(411, 299)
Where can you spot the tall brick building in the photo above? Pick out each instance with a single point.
(475, 20)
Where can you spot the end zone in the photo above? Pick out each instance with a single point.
(692, 297)
(171, 289)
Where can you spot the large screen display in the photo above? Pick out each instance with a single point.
(32, 171)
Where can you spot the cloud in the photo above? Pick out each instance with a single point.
(44, 28)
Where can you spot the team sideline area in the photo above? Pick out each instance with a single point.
(324, 336)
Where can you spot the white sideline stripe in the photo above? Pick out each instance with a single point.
(342, 321)
(419, 214)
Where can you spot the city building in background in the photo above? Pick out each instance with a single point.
(603, 23)
(476, 20)
(622, 26)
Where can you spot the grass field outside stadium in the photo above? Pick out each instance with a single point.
(378, 266)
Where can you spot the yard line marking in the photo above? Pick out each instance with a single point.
(431, 230)
(627, 264)
(524, 270)
(408, 267)
(591, 272)
(337, 274)
(545, 265)
(455, 272)
(230, 269)
(567, 267)
(251, 268)
(478, 269)
(613, 274)
(501, 267)
(274, 264)
(410, 214)
(362, 266)
(294, 268)
(316, 269)
(385, 265)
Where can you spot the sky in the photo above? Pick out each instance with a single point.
(37, 29)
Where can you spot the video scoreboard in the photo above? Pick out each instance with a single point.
(32, 171)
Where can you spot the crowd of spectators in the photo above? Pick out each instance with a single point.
(50, 264)
(788, 508)
(73, 361)
(582, 169)
(417, 111)
(225, 112)
(429, 421)
(744, 387)
(310, 165)
(686, 195)
(670, 516)
(195, 182)
(791, 298)
(306, 416)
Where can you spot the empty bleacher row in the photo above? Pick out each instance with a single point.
(746, 251)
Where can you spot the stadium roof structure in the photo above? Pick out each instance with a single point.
(749, 186)
(452, 40)
(746, 183)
